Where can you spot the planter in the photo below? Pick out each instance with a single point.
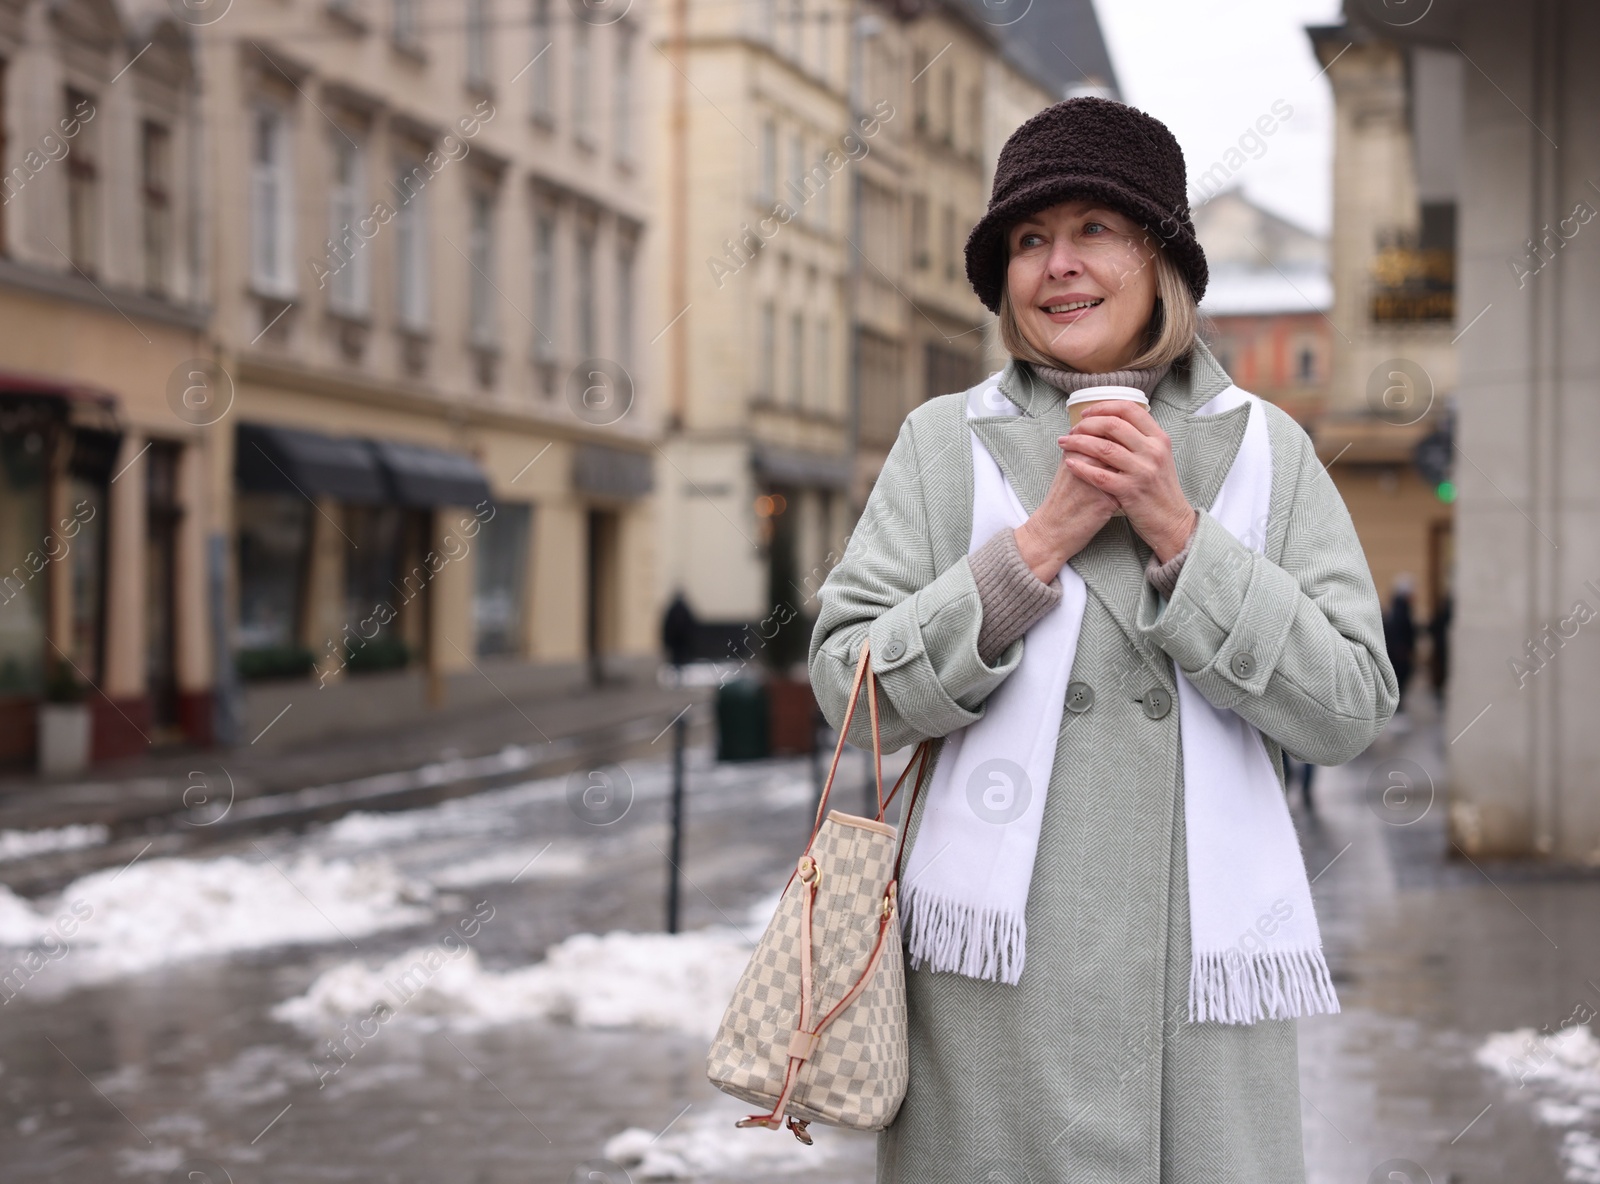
(63, 738)
(791, 726)
(742, 721)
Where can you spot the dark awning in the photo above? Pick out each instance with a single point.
(273, 459)
(604, 471)
(423, 476)
(791, 466)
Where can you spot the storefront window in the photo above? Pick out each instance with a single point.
(502, 546)
(23, 560)
(88, 511)
(274, 534)
(386, 585)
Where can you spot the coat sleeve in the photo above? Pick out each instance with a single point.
(923, 623)
(1295, 646)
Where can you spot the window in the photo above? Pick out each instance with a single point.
(541, 78)
(769, 163)
(544, 287)
(411, 251)
(155, 171)
(947, 107)
(405, 23)
(952, 244)
(497, 602)
(83, 189)
(622, 98)
(271, 205)
(582, 128)
(798, 181)
(824, 36)
(478, 44)
(625, 301)
(767, 20)
(822, 379)
(24, 476)
(274, 541)
(480, 250)
(919, 90)
(1307, 365)
(975, 120)
(585, 294)
(796, 30)
(767, 376)
(797, 359)
(919, 231)
(373, 567)
(349, 290)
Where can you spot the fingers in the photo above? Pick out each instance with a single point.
(1126, 410)
(1111, 453)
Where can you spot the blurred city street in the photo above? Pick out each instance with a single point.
(187, 1028)
(439, 439)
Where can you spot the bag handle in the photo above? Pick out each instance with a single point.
(919, 759)
(863, 674)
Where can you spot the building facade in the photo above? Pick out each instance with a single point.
(431, 405)
(1389, 412)
(106, 508)
(1522, 756)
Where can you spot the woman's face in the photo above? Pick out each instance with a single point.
(1082, 284)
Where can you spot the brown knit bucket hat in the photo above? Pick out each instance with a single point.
(1095, 149)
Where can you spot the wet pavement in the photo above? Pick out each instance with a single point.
(181, 1071)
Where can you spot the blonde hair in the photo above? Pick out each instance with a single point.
(1173, 329)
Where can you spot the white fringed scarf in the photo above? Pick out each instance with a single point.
(1256, 948)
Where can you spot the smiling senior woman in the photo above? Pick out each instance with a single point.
(1117, 630)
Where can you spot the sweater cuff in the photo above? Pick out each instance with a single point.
(1165, 575)
(1012, 597)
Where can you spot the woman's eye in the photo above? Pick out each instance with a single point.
(1092, 227)
(1030, 240)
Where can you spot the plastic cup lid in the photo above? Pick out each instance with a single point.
(1091, 394)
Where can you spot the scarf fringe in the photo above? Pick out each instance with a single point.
(946, 934)
(1234, 988)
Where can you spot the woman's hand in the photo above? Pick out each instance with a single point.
(1120, 449)
(1072, 513)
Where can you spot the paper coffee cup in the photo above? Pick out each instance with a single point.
(1099, 394)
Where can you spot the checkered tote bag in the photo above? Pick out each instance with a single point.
(816, 1029)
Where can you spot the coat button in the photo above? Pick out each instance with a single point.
(1244, 664)
(1157, 702)
(1080, 696)
(894, 649)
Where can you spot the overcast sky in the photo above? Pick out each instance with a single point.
(1209, 69)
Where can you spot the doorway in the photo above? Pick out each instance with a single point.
(601, 596)
(162, 516)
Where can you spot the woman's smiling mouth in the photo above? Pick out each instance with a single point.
(1072, 308)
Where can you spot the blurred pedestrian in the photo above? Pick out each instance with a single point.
(1105, 951)
(1306, 770)
(1400, 635)
(678, 630)
(1439, 636)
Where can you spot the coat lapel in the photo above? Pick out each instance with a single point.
(1204, 446)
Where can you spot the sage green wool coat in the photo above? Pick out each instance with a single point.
(1088, 1070)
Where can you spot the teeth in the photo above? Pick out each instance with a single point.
(1075, 305)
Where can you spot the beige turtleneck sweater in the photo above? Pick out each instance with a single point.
(1012, 597)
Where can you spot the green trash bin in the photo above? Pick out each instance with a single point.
(742, 721)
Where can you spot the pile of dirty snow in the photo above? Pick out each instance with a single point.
(661, 981)
(19, 844)
(1563, 1071)
(171, 910)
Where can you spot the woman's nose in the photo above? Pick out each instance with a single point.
(1064, 261)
